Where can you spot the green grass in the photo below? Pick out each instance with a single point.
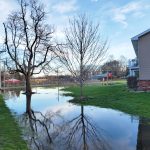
(10, 133)
(115, 96)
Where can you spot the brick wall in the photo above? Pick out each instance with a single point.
(144, 85)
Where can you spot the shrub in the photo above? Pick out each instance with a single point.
(132, 82)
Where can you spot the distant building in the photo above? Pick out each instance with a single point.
(105, 76)
(141, 44)
(133, 68)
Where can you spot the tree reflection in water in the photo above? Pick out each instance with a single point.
(52, 131)
(11, 94)
(39, 130)
(82, 134)
(67, 131)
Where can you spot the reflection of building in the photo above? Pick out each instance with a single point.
(141, 44)
(143, 140)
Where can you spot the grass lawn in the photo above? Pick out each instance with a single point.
(10, 134)
(115, 96)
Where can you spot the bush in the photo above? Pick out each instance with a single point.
(132, 82)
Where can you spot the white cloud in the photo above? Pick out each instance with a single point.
(135, 8)
(63, 109)
(120, 17)
(59, 34)
(65, 6)
(131, 7)
(6, 6)
(139, 14)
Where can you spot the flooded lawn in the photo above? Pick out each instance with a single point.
(60, 125)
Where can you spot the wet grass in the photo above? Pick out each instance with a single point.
(116, 96)
(10, 133)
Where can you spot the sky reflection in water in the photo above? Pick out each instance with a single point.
(59, 124)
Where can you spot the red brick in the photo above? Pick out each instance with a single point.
(144, 85)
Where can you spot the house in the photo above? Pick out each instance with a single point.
(133, 68)
(100, 76)
(141, 45)
(105, 76)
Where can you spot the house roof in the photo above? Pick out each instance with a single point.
(139, 35)
(135, 40)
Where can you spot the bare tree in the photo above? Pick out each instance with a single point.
(113, 67)
(28, 40)
(116, 67)
(123, 63)
(84, 49)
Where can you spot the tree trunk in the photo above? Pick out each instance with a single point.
(81, 89)
(28, 104)
(28, 95)
(28, 85)
(81, 75)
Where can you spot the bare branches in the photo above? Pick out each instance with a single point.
(27, 38)
(28, 41)
(84, 49)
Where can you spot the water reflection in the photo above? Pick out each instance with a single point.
(37, 130)
(43, 132)
(11, 94)
(56, 124)
(143, 141)
(29, 111)
(82, 133)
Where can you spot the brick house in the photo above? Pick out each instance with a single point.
(141, 45)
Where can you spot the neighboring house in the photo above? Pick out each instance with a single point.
(141, 44)
(133, 68)
(103, 76)
(100, 76)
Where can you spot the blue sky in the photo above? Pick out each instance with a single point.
(119, 19)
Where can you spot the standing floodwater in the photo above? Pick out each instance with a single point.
(59, 125)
